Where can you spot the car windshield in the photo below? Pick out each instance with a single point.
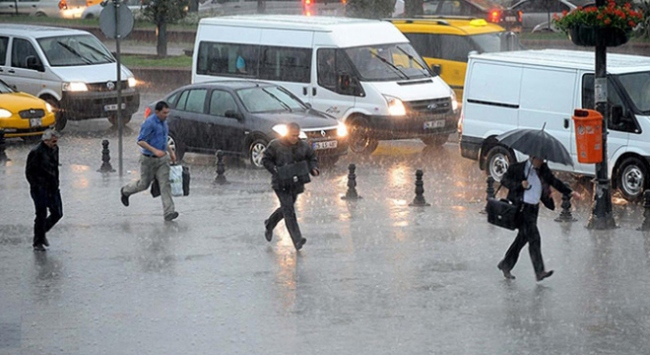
(4, 88)
(75, 50)
(637, 86)
(497, 42)
(388, 62)
(269, 99)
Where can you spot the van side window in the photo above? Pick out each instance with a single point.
(220, 102)
(20, 51)
(192, 101)
(227, 59)
(327, 74)
(4, 43)
(613, 98)
(285, 64)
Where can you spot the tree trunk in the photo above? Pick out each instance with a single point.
(161, 45)
(413, 8)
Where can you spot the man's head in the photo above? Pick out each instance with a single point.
(162, 110)
(50, 138)
(293, 133)
(537, 162)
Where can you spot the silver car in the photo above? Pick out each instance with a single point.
(533, 14)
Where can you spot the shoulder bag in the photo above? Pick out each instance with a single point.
(293, 174)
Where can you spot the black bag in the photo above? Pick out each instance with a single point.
(293, 174)
(503, 213)
(155, 187)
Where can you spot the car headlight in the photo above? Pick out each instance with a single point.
(341, 130)
(395, 106)
(4, 113)
(454, 101)
(132, 82)
(74, 86)
(282, 130)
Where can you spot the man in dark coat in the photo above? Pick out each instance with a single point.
(42, 172)
(281, 152)
(528, 183)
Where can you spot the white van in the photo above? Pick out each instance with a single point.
(530, 89)
(70, 69)
(363, 72)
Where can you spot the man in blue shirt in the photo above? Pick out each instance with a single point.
(154, 161)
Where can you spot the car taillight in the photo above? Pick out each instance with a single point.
(495, 16)
(520, 16)
(147, 112)
(63, 5)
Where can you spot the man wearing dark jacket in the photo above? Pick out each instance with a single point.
(281, 152)
(42, 172)
(528, 183)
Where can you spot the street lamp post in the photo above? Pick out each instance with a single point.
(601, 216)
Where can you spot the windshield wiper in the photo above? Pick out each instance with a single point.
(73, 51)
(284, 104)
(390, 65)
(108, 58)
(412, 58)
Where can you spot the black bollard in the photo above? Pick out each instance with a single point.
(490, 187)
(645, 226)
(221, 169)
(3, 146)
(106, 159)
(566, 215)
(419, 191)
(351, 194)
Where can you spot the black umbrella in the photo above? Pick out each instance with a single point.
(537, 143)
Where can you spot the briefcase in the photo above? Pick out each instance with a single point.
(503, 213)
(293, 174)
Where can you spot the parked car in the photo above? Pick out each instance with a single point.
(23, 115)
(94, 11)
(47, 8)
(241, 117)
(446, 42)
(530, 14)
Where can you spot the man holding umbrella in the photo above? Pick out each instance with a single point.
(528, 184)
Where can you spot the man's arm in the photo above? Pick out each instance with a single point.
(268, 159)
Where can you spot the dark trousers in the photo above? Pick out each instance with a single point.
(528, 233)
(288, 212)
(45, 200)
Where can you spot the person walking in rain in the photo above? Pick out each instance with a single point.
(281, 154)
(155, 160)
(42, 172)
(528, 184)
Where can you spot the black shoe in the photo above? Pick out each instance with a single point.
(125, 198)
(39, 247)
(544, 274)
(268, 233)
(172, 216)
(506, 272)
(45, 242)
(301, 243)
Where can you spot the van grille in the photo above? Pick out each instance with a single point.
(436, 106)
(31, 113)
(107, 86)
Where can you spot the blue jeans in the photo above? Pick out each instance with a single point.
(45, 200)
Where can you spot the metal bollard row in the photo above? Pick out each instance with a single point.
(106, 159)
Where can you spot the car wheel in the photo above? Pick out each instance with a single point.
(361, 142)
(435, 141)
(498, 161)
(176, 145)
(632, 178)
(256, 152)
(112, 118)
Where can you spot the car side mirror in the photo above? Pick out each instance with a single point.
(33, 63)
(436, 69)
(234, 114)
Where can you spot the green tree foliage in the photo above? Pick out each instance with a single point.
(162, 13)
(372, 9)
(413, 8)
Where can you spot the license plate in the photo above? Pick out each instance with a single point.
(35, 122)
(511, 19)
(324, 145)
(113, 107)
(434, 124)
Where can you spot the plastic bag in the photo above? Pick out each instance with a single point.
(176, 179)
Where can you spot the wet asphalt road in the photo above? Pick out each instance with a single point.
(377, 276)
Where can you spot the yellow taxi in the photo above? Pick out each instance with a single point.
(446, 42)
(23, 115)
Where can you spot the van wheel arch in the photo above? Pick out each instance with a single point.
(631, 176)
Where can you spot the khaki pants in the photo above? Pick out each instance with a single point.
(150, 167)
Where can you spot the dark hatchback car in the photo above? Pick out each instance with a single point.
(241, 117)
